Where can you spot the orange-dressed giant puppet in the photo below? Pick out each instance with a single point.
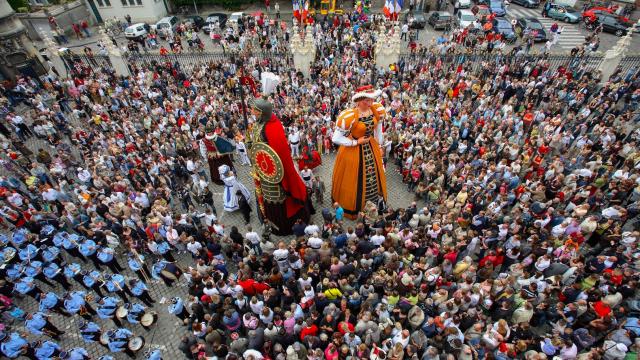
(358, 173)
(281, 194)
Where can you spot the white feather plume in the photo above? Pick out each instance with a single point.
(269, 82)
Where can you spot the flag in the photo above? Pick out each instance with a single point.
(387, 8)
(305, 11)
(296, 9)
(398, 7)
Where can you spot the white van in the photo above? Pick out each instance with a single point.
(234, 17)
(462, 4)
(167, 26)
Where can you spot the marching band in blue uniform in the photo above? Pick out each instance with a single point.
(27, 266)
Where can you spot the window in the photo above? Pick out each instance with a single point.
(103, 3)
(131, 2)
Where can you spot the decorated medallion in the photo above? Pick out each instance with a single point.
(267, 163)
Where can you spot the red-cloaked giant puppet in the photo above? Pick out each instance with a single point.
(281, 194)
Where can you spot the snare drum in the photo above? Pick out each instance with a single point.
(104, 338)
(9, 255)
(149, 319)
(136, 343)
(122, 312)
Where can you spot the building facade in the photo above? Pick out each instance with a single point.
(148, 11)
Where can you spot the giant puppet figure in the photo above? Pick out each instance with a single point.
(217, 150)
(358, 173)
(280, 192)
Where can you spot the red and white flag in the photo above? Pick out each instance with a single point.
(387, 9)
(296, 9)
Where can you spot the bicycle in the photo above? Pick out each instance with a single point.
(113, 27)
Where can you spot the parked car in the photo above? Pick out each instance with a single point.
(524, 25)
(211, 20)
(440, 20)
(503, 27)
(462, 4)
(136, 31)
(610, 23)
(564, 13)
(235, 17)
(590, 14)
(196, 22)
(497, 7)
(416, 19)
(166, 26)
(465, 19)
(481, 11)
(527, 3)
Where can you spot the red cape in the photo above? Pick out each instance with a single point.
(291, 182)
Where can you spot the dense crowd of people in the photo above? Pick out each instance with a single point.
(521, 242)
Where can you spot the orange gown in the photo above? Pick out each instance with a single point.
(358, 173)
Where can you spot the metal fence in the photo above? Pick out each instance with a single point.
(84, 64)
(477, 61)
(630, 65)
(189, 61)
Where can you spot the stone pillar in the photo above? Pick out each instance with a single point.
(18, 56)
(51, 52)
(614, 56)
(303, 50)
(387, 48)
(118, 62)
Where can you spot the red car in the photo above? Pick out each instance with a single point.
(589, 15)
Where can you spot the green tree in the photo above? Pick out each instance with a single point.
(19, 5)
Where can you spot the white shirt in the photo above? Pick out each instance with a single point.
(314, 242)
(257, 307)
(294, 138)
(281, 255)
(311, 229)
(253, 237)
(255, 353)
(208, 219)
(50, 195)
(84, 176)
(15, 199)
(194, 247)
(377, 240)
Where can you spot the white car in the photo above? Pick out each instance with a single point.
(136, 31)
(462, 4)
(234, 17)
(466, 19)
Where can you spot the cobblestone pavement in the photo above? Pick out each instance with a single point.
(166, 333)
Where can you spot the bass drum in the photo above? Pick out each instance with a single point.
(104, 338)
(149, 319)
(122, 312)
(135, 343)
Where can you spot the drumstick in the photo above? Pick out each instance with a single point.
(117, 285)
(144, 273)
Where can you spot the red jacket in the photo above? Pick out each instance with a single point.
(291, 182)
(251, 287)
